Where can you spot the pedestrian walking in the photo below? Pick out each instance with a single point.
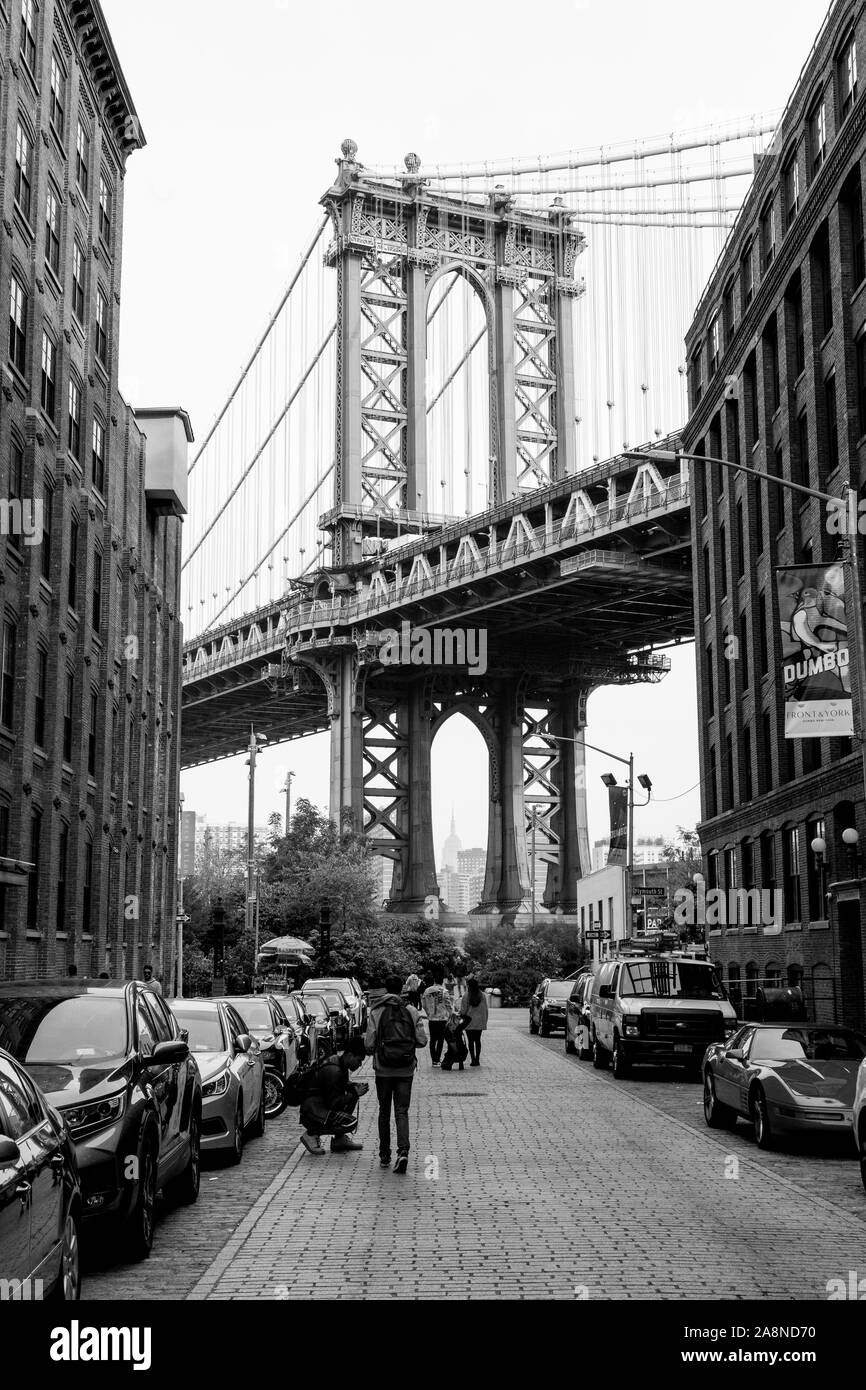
(453, 988)
(412, 991)
(473, 1008)
(330, 1102)
(395, 1030)
(150, 979)
(438, 1007)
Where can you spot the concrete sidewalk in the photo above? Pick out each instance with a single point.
(531, 1177)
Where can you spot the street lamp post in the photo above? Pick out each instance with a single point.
(288, 790)
(853, 599)
(252, 749)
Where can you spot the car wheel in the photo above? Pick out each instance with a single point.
(139, 1234)
(764, 1136)
(533, 1027)
(257, 1128)
(863, 1153)
(619, 1061)
(236, 1151)
(569, 1043)
(584, 1053)
(599, 1056)
(273, 1092)
(717, 1116)
(184, 1188)
(68, 1286)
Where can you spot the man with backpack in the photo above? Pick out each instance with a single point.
(394, 1030)
(438, 1008)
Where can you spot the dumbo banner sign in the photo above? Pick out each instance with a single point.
(816, 672)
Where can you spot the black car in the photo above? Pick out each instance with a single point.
(40, 1194)
(547, 1006)
(279, 1039)
(111, 1058)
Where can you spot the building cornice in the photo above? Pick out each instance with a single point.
(105, 73)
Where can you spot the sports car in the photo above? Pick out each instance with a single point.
(783, 1078)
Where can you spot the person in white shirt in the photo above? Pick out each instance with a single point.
(438, 1005)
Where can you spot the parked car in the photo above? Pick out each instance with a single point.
(351, 990)
(278, 1040)
(659, 1007)
(859, 1118)
(340, 1012)
(547, 1006)
(110, 1057)
(578, 1035)
(232, 1072)
(785, 1078)
(326, 1032)
(40, 1193)
(304, 1025)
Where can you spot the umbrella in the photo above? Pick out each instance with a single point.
(286, 946)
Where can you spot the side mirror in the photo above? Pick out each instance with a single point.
(737, 1054)
(243, 1042)
(9, 1152)
(166, 1054)
(604, 992)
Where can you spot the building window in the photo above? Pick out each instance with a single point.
(791, 872)
(763, 628)
(768, 862)
(104, 209)
(848, 77)
(82, 159)
(715, 344)
(98, 455)
(747, 277)
(47, 529)
(91, 734)
(729, 312)
(52, 230)
(853, 203)
(821, 265)
(732, 411)
(87, 888)
(101, 326)
(7, 674)
(72, 586)
(744, 651)
(750, 389)
(768, 235)
(831, 423)
(731, 877)
(28, 33)
(723, 559)
(795, 307)
(4, 850)
(771, 364)
(57, 110)
(18, 325)
(800, 469)
(792, 190)
(68, 707)
(78, 281)
(23, 169)
(62, 859)
(40, 703)
(697, 375)
(729, 772)
(34, 875)
(96, 607)
(817, 872)
(818, 135)
(711, 684)
(712, 791)
(861, 383)
(74, 432)
(747, 796)
(49, 375)
(727, 667)
(16, 470)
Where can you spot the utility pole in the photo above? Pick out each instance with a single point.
(288, 790)
(630, 865)
(252, 749)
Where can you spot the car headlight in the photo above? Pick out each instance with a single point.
(98, 1114)
(217, 1087)
(631, 1027)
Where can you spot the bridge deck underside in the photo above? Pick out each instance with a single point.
(540, 622)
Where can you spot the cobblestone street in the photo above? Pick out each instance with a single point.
(530, 1177)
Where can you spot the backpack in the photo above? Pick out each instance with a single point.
(297, 1086)
(395, 1036)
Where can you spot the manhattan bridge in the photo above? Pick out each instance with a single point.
(438, 428)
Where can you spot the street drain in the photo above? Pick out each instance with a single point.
(458, 1095)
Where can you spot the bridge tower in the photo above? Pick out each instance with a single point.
(393, 239)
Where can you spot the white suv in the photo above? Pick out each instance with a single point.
(860, 1118)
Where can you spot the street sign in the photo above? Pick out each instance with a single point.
(642, 891)
(593, 934)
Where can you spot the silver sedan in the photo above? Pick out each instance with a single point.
(232, 1074)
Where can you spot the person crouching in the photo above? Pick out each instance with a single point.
(331, 1102)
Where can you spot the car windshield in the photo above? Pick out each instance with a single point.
(83, 1028)
(671, 979)
(807, 1045)
(345, 986)
(334, 998)
(560, 989)
(254, 1012)
(204, 1027)
(315, 1005)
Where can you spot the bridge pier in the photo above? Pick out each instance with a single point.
(415, 878)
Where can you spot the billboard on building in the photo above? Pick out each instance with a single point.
(815, 669)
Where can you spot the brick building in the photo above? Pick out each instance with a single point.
(90, 645)
(777, 378)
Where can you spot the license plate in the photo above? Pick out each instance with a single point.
(682, 1047)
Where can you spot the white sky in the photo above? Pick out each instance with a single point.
(244, 108)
